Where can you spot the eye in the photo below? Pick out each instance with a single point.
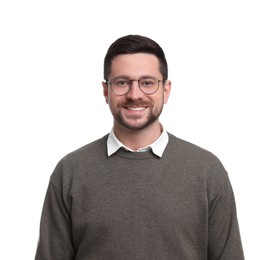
(148, 82)
(121, 82)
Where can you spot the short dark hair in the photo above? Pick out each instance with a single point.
(131, 44)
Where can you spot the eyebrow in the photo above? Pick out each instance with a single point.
(130, 78)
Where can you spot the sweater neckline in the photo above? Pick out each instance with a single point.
(136, 155)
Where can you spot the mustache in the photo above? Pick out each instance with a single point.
(135, 103)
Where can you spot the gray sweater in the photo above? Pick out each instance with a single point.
(139, 206)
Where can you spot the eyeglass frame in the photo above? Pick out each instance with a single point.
(138, 80)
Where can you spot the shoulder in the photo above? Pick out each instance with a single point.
(180, 147)
(95, 149)
(85, 157)
(196, 161)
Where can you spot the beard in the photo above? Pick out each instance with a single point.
(137, 122)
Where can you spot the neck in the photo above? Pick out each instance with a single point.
(135, 139)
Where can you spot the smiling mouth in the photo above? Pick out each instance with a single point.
(136, 108)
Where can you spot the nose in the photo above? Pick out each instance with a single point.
(134, 92)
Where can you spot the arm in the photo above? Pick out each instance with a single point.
(224, 242)
(55, 240)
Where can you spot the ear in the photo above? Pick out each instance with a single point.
(105, 91)
(167, 89)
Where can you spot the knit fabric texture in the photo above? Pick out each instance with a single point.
(139, 206)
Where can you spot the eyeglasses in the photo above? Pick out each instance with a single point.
(121, 86)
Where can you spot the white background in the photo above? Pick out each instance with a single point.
(223, 62)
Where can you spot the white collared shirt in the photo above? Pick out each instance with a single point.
(158, 147)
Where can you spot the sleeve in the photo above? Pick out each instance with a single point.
(55, 241)
(224, 242)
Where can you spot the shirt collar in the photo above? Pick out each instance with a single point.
(158, 147)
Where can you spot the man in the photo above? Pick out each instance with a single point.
(139, 192)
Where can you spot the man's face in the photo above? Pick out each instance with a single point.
(136, 110)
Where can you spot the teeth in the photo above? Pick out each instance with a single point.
(136, 108)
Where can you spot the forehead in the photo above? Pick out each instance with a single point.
(135, 65)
